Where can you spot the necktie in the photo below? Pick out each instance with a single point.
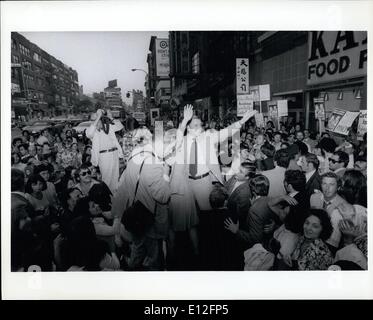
(193, 159)
(326, 204)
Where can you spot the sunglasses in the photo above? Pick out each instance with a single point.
(84, 173)
(334, 161)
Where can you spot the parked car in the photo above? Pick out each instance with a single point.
(37, 126)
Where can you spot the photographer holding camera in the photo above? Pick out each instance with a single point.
(106, 149)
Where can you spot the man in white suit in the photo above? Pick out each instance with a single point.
(106, 149)
(199, 152)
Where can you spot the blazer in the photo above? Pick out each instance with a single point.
(313, 183)
(259, 215)
(238, 200)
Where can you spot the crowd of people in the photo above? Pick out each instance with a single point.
(201, 198)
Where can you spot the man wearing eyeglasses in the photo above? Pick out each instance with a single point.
(338, 163)
(86, 182)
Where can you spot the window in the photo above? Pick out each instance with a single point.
(15, 59)
(25, 51)
(195, 63)
(15, 73)
(37, 57)
(14, 44)
(26, 64)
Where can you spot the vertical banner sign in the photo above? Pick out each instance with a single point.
(336, 55)
(273, 112)
(282, 108)
(242, 75)
(362, 126)
(162, 58)
(245, 102)
(264, 92)
(254, 90)
(259, 120)
(319, 108)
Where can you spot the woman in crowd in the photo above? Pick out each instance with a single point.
(76, 155)
(16, 162)
(34, 191)
(311, 252)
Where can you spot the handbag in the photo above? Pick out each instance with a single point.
(137, 218)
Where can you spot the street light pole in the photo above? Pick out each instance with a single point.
(139, 70)
(147, 79)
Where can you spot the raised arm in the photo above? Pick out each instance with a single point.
(91, 130)
(228, 131)
(188, 114)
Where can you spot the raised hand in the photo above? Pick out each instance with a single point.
(188, 112)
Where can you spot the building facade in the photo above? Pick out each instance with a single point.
(203, 70)
(40, 82)
(158, 84)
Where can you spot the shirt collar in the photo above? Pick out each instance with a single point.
(339, 169)
(309, 175)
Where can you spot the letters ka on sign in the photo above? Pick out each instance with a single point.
(336, 55)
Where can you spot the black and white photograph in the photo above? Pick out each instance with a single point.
(128, 153)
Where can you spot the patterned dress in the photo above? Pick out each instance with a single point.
(312, 255)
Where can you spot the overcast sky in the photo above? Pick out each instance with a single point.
(100, 56)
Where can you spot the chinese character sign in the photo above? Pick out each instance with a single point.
(242, 74)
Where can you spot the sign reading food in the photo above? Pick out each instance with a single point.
(336, 55)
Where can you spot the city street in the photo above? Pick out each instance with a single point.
(212, 151)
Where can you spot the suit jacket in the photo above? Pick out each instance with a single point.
(296, 216)
(153, 190)
(259, 215)
(313, 183)
(238, 200)
(276, 178)
(317, 201)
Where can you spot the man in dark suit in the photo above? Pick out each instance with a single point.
(238, 190)
(259, 215)
(310, 165)
(293, 206)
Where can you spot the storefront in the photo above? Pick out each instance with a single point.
(336, 75)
